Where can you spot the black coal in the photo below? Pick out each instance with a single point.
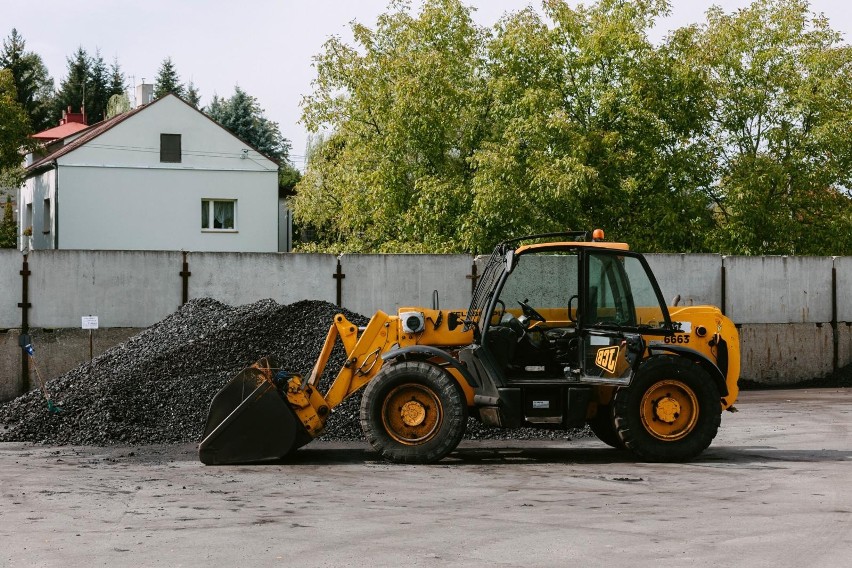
(157, 386)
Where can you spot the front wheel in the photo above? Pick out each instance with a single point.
(413, 412)
(671, 411)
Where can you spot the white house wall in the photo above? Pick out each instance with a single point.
(114, 193)
(156, 209)
(34, 191)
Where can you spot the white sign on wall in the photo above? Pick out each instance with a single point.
(90, 322)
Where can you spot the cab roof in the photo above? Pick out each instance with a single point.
(566, 244)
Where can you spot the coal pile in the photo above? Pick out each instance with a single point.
(157, 386)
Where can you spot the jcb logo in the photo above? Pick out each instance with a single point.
(606, 358)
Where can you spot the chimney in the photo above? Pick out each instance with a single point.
(144, 94)
(78, 117)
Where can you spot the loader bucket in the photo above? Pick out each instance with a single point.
(249, 421)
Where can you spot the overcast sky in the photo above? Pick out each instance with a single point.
(265, 46)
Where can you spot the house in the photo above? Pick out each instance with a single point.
(162, 176)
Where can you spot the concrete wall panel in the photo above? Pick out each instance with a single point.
(844, 344)
(10, 282)
(785, 354)
(122, 288)
(843, 266)
(238, 279)
(779, 289)
(388, 282)
(696, 277)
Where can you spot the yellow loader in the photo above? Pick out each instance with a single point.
(562, 330)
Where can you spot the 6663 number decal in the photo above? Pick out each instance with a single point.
(679, 338)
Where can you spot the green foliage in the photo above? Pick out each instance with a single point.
(396, 173)
(8, 227)
(89, 83)
(193, 97)
(168, 80)
(730, 136)
(33, 84)
(288, 177)
(75, 84)
(14, 124)
(782, 83)
(242, 115)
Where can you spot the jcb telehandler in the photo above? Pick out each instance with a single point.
(562, 330)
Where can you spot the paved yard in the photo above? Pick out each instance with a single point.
(775, 489)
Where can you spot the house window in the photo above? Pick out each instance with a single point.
(170, 148)
(218, 214)
(45, 221)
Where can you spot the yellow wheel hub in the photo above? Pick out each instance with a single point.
(412, 414)
(669, 410)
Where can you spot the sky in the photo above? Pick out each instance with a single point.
(264, 46)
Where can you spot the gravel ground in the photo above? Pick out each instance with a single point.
(157, 386)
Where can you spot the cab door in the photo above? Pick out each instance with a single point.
(620, 301)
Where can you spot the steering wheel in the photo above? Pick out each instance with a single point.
(530, 312)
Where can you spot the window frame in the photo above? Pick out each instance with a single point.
(211, 206)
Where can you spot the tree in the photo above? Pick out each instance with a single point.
(14, 124)
(193, 97)
(592, 126)
(98, 89)
(168, 80)
(117, 82)
(33, 84)
(242, 115)
(407, 107)
(8, 228)
(73, 88)
(782, 84)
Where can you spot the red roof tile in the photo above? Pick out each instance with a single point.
(60, 131)
(94, 131)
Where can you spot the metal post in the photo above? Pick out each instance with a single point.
(724, 286)
(473, 277)
(339, 276)
(185, 274)
(25, 305)
(835, 334)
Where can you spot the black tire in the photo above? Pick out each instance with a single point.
(603, 426)
(671, 411)
(413, 412)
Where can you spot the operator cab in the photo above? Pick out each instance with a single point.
(561, 316)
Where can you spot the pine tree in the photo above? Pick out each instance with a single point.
(168, 80)
(97, 90)
(242, 115)
(193, 97)
(33, 84)
(73, 89)
(117, 84)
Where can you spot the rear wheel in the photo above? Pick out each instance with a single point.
(671, 411)
(603, 426)
(413, 412)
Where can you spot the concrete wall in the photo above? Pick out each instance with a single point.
(238, 279)
(783, 305)
(388, 282)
